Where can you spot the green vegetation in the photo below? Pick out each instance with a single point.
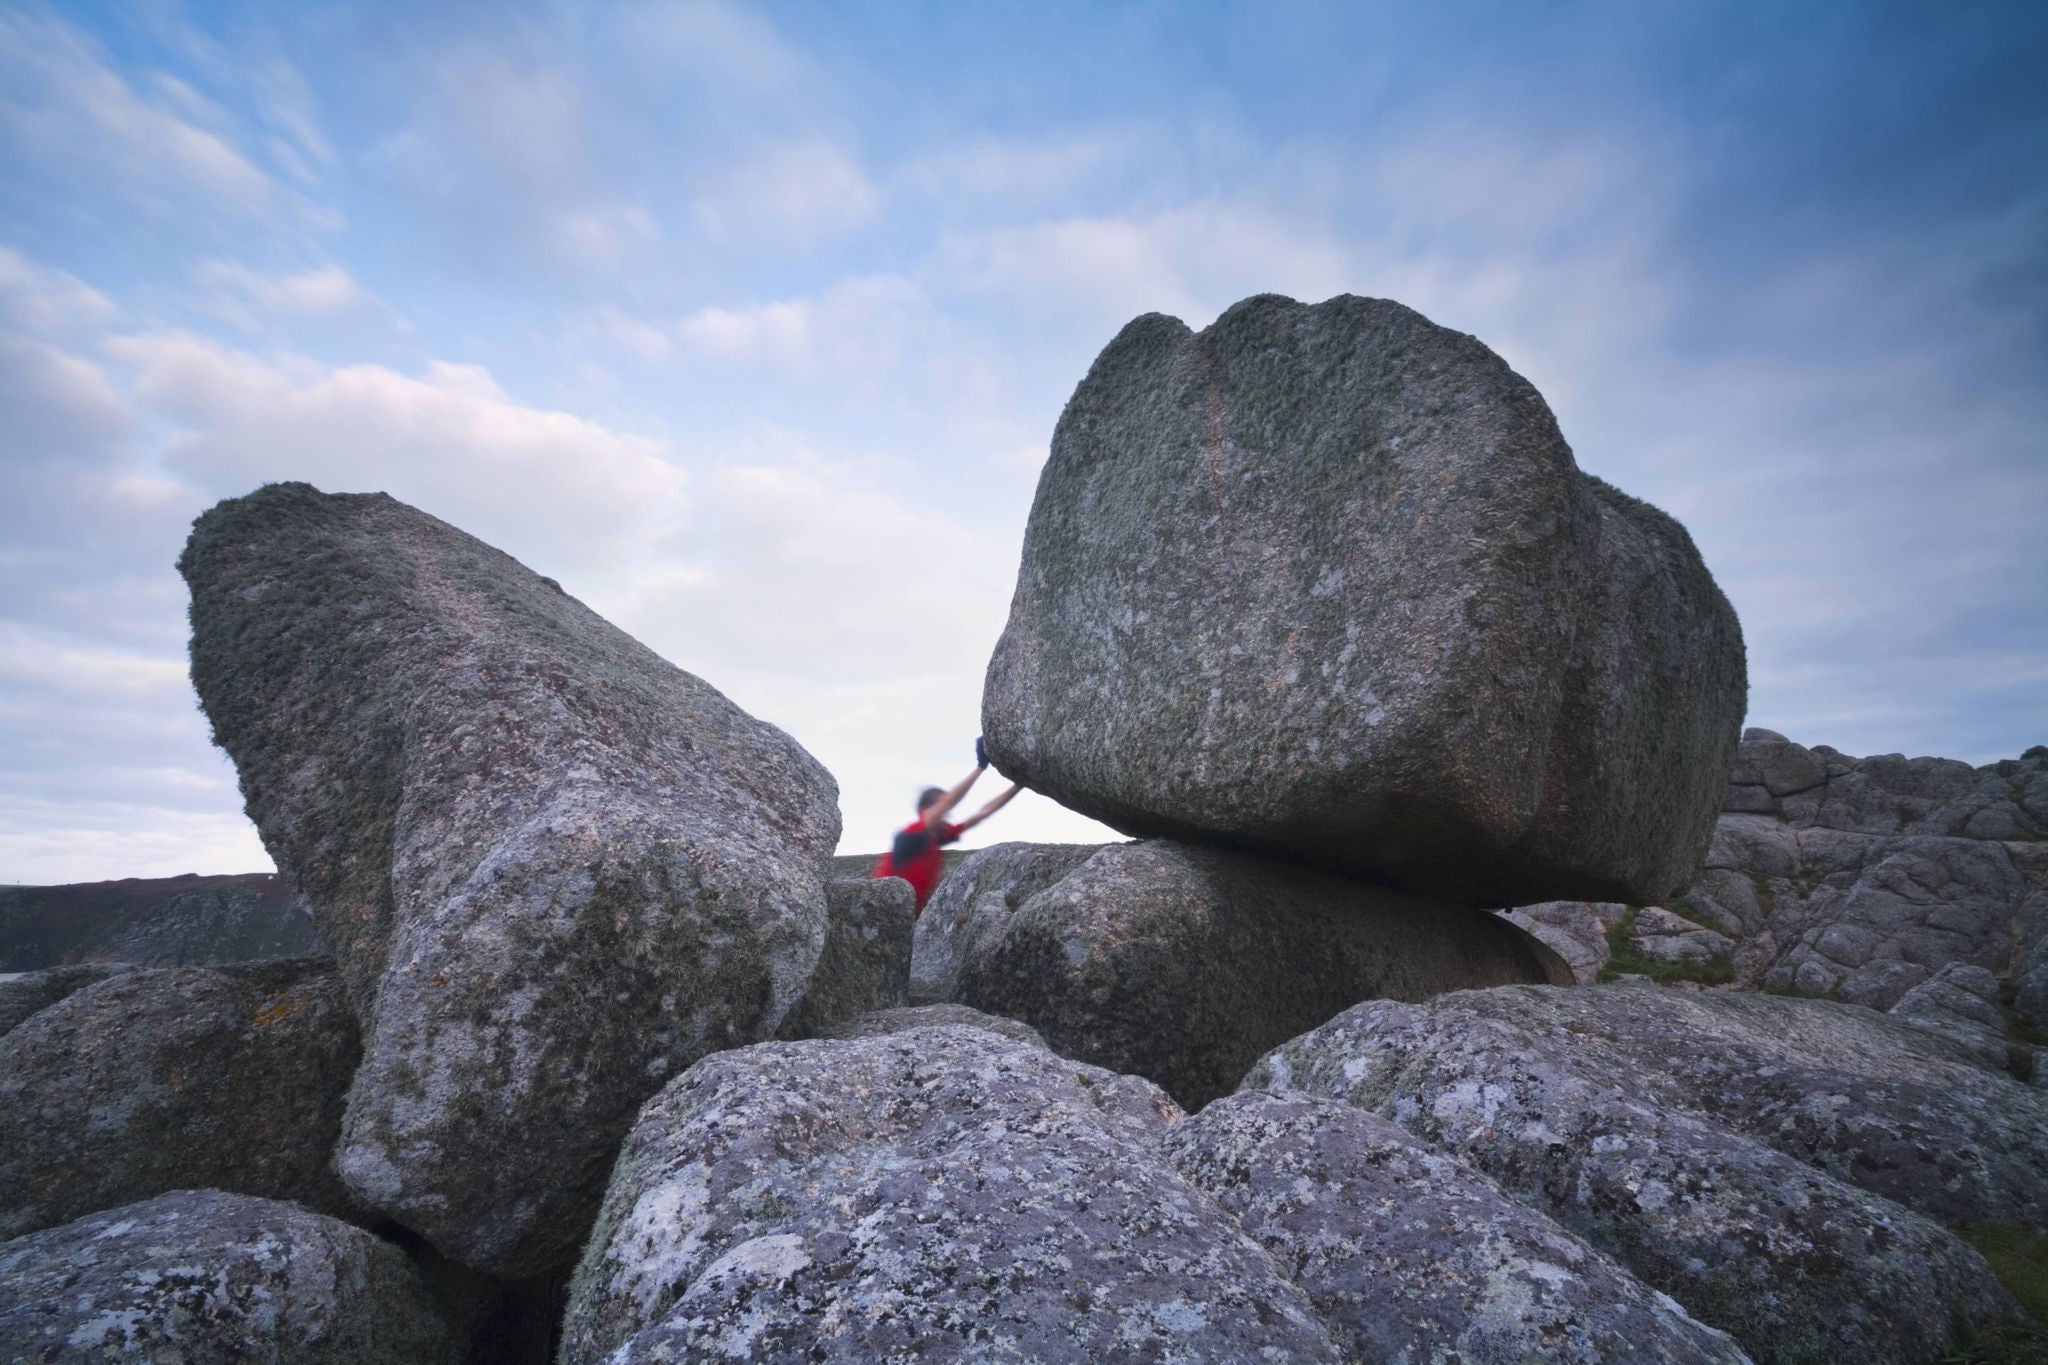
(1623, 960)
(1692, 914)
(2020, 1260)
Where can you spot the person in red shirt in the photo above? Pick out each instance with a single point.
(914, 854)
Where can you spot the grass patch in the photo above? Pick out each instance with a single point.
(2020, 1260)
(1623, 960)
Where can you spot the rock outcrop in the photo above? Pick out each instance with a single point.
(173, 1078)
(935, 1016)
(866, 963)
(554, 869)
(1783, 1168)
(943, 1192)
(1407, 1254)
(1182, 964)
(26, 994)
(1325, 582)
(1960, 1003)
(1854, 879)
(205, 1278)
(153, 922)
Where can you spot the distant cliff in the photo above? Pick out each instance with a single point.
(161, 921)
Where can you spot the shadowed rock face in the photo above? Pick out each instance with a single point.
(866, 963)
(1325, 582)
(206, 1278)
(153, 922)
(1780, 1167)
(554, 869)
(1181, 963)
(170, 1078)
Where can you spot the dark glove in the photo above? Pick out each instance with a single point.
(981, 751)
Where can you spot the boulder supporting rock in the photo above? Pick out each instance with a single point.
(171, 1078)
(942, 1193)
(866, 963)
(1324, 581)
(554, 868)
(1709, 1144)
(1182, 964)
(205, 1278)
(1410, 1255)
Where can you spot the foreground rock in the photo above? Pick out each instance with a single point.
(205, 1278)
(1182, 964)
(176, 1078)
(944, 1193)
(1407, 1254)
(1741, 1153)
(934, 1016)
(554, 868)
(866, 963)
(153, 922)
(1324, 581)
(24, 995)
(1857, 879)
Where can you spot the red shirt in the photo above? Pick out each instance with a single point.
(915, 857)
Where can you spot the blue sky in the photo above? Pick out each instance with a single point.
(750, 324)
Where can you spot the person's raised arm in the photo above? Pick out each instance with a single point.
(935, 814)
(991, 808)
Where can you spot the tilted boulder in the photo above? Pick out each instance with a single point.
(205, 1278)
(172, 1078)
(554, 868)
(1409, 1255)
(1182, 964)
(1325, 582)
(866, 963)
(1741, 1153)
(940, 1193)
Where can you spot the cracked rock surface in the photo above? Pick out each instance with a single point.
(1324, 581)
(554, 869)
(167, 1078)
(198, 1277)
(1783, 1168)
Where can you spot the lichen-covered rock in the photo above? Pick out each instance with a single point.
(973, 900)
(199, 1277)
(1960, 1003)
(1708, 1142)
(554, 868)
(1325, 581)
(934, 1016)
(25, 994)
(1575, 930)
(1182, 964)
(1410, 1255)
(938, 1194)
(866, 963)
(170, 1078)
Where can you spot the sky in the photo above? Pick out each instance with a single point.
(750, 324)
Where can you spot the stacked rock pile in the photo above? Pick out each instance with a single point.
(607, 1066)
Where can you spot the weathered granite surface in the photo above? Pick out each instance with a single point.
(554, 868)
(170, 1078)
(934, 1016)
(1182, 964)
(866, 963)
(1960, 1003)
(1325, 581)
(1409, 1255)
(1742, 1153)
(26, 994)
(199, 1277)
(936, 1194)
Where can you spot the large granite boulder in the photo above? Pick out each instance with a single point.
(204, 1278)
(982, 892)
(171, 1078)
(866, 963)
(1410, 1255)
(1776, 1165)
(1324, 581)
(938, 1194)
(1182, 964)
(934, 1016)
(554, 868)
(23, 995)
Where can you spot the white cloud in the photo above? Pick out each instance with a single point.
(59, 407)
(448, 440)
(718, 44)
(41, 300)
(605, 237)
(857, 325)
(63, 101)
(250, 298)
(792, 193)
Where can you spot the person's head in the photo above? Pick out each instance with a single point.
(929, 797)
